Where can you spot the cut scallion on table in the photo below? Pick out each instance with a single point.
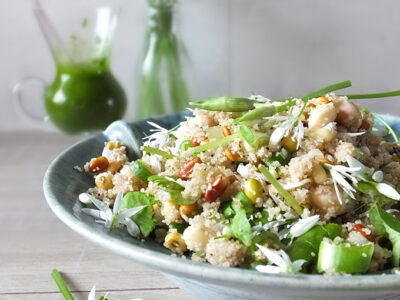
(61, 285)
(285, 194)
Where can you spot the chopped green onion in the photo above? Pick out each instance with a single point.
(275, 183)
(254, 139)
(186, 144)
(140, 170)
(344, 257)
(216, 144)
(390, 129)
(282, 157)
(180, 227)
(374, 95)
(62, 286)
(163, 154)
(224, 103)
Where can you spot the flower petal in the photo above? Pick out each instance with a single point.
(277, 135)
(101, 205)
(268, 269)
(297, 264)
(117, 202)
(293, 185)
(85, 198)
(132, 227)
(337, 192)
(388, 191)
(94, 213)
(92, 294)
(273, 256)
(377, 176)
(354, 163)
(303, 225)
(127, 213)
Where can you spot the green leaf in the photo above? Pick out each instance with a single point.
(307, 245)
(241, 228)
(227, 210)
(165, 183)
(263, 219)
(180, 227)
(245, 202)
(144, 218)
(140, 170)
(254, 139)
(177, 198)
(163, 154)
(264, 237)
(388, 226)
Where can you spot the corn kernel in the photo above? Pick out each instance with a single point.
(231, 155)
(175, 242)
(114, 167)
(253, 189)
(104, 181)
(113, 144)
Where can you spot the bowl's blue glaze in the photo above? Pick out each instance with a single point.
(62, 185)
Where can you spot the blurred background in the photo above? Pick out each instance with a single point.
(235, 47)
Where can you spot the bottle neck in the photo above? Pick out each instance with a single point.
(160, 18)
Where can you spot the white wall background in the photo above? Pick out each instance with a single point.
(237, 47)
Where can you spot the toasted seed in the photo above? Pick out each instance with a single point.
(114, 167)
(98, 164)
(187, 209)
(187, 167)
(231, 155)
(226, 131)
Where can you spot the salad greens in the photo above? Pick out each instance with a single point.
(140, 170)
(144, 218)
(388, 226)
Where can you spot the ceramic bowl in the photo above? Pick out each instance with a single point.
(62, 185)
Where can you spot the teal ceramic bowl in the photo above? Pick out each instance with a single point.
(62, 185)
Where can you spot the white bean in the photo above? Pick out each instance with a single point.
(321, 116)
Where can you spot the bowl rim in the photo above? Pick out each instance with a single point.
(199, 270)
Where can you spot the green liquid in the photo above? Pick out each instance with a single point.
(84, 97)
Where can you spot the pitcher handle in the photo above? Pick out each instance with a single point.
(37, 87)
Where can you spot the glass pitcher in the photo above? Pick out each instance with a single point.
(84, 95)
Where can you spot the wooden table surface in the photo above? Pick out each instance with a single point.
(33, 241)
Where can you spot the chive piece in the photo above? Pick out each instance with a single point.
(163, 154)
(62, 286)
(216, 144)
(254, 139)
(390, 129)
(275, 183)
(327, 89)
(224, 103)
(186, 144)
(374, 95)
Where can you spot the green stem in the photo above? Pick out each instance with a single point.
(216, 144)
(285, 194)
(327, 89)
(375, 95)
(390, 129)
(163, 154)
(62, 286)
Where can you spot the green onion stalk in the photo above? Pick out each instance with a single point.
(162, 87)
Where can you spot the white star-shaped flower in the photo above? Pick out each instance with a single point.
(110, 218)
(280, 262)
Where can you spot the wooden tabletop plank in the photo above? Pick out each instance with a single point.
(34, 240)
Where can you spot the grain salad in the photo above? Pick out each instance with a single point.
(297, 185)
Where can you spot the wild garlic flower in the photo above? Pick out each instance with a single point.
(340, 174)
(159, 137)
(303, 225)
(348, 177)
(291, 122)
(110, 218)
(280, 262)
